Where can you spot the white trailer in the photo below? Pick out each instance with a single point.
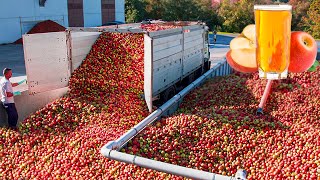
(173, 58)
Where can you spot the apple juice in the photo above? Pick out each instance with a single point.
(273, 32)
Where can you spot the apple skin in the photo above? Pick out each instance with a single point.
(237, 66)
(241, 57)
(303, 52)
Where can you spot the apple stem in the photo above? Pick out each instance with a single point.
(264, 97)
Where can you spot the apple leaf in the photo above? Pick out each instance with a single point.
(314, 66)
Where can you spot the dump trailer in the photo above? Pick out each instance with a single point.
(173, 58)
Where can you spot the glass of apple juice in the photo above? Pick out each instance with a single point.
(273, 33)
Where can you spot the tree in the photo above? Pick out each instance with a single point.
(311, 22)
(208, 14)
(135, 10)
(172, 10)
(181, 10)
(236, 15)
(225, 13)
(299, 10)
(155, 9)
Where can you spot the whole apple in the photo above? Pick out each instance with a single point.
(303, 52)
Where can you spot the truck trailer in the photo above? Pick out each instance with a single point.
(173, 58)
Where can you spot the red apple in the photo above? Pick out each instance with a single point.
(303, 52)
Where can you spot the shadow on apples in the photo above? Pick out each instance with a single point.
(229, 100)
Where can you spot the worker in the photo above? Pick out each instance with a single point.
(7, 97)
(214, 36)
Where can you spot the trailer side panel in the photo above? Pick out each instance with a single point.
(47, 61)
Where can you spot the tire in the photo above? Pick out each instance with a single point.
(191, 78)
(206, 66)
(168, 94)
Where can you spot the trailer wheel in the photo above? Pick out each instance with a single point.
(168, 93)
(191, 78)
(206, 66)
(198, 72)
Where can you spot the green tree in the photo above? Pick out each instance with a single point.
(208, 14)
(311, 22)
(135, 10)
(236, 16)
(155, 9)
(299, 10)
(225, 13)
(180, 10)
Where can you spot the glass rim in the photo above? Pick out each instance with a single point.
(280, 7)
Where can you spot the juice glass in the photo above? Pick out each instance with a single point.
(273, 33)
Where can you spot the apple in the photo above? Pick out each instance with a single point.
(216, 130)
(250, 32)
(248, 67)
(303, 52)
(103, 102)
(242, 56)
(159, 27)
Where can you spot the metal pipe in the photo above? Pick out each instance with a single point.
(170, 102)
(156, 114)
(153, 116)
(109, 150)
(136, 129)
(166, 167)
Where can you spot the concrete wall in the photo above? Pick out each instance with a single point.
(27, 104)
(92, 13)
(120, 12)
(19, 16)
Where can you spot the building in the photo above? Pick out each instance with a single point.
(19, 16)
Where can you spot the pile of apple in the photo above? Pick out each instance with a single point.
(216, 129)
(63, 139)
(157, 27)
